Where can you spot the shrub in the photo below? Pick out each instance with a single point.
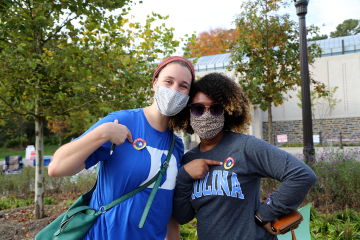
(342, 225)
(338, 173)
(10, 203)
(22, 185)
(12, 143)
(49, 141)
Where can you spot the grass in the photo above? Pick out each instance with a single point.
(48, 151)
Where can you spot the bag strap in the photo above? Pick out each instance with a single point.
(105, 208)
(157, 184)
(293, 234)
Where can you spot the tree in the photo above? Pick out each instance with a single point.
(347, 28)
(267, 54)
(318, 37)
(323, 105)
(13, 128)
(59, 126)
(213, 41)
(49, 68)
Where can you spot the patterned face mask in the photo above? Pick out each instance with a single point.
(170, 102)
(207, 126)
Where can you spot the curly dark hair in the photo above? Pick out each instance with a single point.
(221, 89)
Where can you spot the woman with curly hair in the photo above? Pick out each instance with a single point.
(219, 181)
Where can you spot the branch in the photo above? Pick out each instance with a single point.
(60, 27)
(14, 111)
(30, 9)
(19, 4)
(70, 109)
(4, 40)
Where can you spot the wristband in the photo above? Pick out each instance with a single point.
(259, 221)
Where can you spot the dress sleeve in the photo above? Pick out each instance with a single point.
(183, 211)
(295, 176)
(103, 152)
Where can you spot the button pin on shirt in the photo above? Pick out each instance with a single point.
(139, 143)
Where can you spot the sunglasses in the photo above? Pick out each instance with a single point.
(198, 109)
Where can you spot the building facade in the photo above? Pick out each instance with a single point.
(339, 66)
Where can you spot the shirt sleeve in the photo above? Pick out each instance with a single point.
(103, 152)
(183, 211)
(295, 176)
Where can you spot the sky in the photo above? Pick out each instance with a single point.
(187, 16)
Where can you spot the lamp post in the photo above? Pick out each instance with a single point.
(301, 11)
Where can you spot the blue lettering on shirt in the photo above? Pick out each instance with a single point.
(207, 191)
(236, 189)
(214, 192)
(223, 183)
(198, 182)
(220, 184)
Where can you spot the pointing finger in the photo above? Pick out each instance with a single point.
(129, 136)
(116, 121)
(207, 168)
(212, 162)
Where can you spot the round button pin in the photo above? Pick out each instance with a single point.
(229, 163)
(139, 143)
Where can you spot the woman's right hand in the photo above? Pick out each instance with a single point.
(118, 133)
(198, 168)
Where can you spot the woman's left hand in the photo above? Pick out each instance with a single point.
(268, 229)
(267, 226)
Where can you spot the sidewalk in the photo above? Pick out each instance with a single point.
(299, 150)
(26, 163)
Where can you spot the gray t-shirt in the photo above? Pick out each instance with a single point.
(225, 201)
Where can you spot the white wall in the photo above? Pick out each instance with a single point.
(342, 71)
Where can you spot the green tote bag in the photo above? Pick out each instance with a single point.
(79, 218)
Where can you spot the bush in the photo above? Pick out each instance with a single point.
(12, 143)
(338, 185)
(49, 141)
(10, 203)
(22, 185)
(342, 225)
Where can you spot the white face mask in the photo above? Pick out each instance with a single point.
(170, 102)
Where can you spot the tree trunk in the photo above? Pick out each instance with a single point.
(39, 145)
(21, 135)
(270, 132)
(39, 175)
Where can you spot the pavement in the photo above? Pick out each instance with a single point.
(299, 150)
(26, 162)
(292, 150)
